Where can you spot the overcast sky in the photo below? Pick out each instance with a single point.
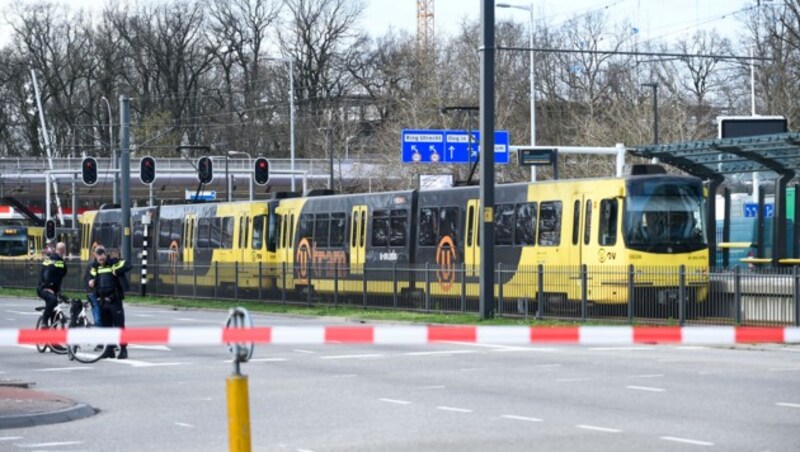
(665, 19)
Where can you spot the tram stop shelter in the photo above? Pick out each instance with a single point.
(713, 160)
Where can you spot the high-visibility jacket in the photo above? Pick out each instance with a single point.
(110, 279)
(52, 273)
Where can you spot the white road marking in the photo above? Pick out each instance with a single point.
(788, 405)
(610, 349)
(143, 315)
(524, 349)
(648, 376)
(34, 446)
(454, 409)
(598, 429)
(442, 352)
(297, 350)
(474, 369)
(136, 363)
(364, 356)
(691, 347)
(784, 369)
(162, 348)
(646, 388)
(686, 441)
(263, 360)
(398, 402)
(183, 424)
(431, 387)
(304, 450)
(572, 379)
(10, 319)
(28, 346)
(344, 376)
(29, 313)
(186, 319)
(63, 369)
(9, 438)
(521, 418)
(546, 366)
(502, 348)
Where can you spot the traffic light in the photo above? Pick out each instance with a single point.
(50, 229)
(261, 171)
(147, 170)
(205, 170)
(89, 171)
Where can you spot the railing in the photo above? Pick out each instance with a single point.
(633, 295)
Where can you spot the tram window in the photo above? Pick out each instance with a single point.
(608, 222)
(227, 233)
(504, 224)
(338, 228)
(321, 227)
(353, 227)
(215, 234)
(258, 232)
(273, 229)
(175, 231)
(137, 234)
(306, 230)
(428, 226)
(163, 233)
(587, 226)
(203, 232)
(380, 228)
(291, 231)
(363, 229)
(399, 227)
(525, 233)
(448, 223)
(469, 226)
(550, 223)
(576, 222)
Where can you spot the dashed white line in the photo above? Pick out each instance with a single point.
(31, 313)
(546, 366)
(788, 405)
(37, 445)
(136, 363)
(395, 401)
(648, 376)
(264, 360)
(185, 319)
(183, 424)
(646, 388)
(686, 441)
(63, 369)
(364, 356)
(10, 438)
(521, 418)
(474, 369)
(162, 348)
(143, 315)
(453, 409)
(610, 349)
(598, 429)
(344, 376)
(304, 450)
(431, 387)
(442, 352)
(309, 352)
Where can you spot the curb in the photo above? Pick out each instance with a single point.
(73, 413)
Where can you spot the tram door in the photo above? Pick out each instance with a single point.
(472, 247)
(358, 240)
(189, 227)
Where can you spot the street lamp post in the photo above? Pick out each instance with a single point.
(532, 75)
(291, 113)
(654, 85)
(113, 152)
(250, 165)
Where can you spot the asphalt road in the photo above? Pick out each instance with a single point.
(398, 398)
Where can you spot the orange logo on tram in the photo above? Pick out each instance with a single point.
(446, 259)
(303, 258)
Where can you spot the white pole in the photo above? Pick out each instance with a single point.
(113, 154)
(47, 147)
(532, 90)
(47, 211)
(620, 158)
(291, 119)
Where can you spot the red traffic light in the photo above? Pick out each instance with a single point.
(89, 171)
(147, 170)
(205, 170)
(261, 171)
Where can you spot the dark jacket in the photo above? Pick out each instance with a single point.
(87, 275)
(110, 279)
(52, 273)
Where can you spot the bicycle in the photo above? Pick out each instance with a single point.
(59, 322)
(86, 351)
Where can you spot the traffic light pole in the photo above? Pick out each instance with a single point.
(125, 172)
(487, 52)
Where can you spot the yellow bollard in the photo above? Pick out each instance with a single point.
(238, 413)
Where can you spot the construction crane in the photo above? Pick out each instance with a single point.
(424, 23)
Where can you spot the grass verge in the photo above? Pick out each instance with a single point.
(348, 312)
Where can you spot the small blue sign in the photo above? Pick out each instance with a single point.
(448, 146)
(209, 195)
(751, 210)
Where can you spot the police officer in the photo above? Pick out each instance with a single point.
(109, 283)
(90, 292)
(52, 273)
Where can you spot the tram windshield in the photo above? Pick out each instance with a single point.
(664, 215)
(13, 246)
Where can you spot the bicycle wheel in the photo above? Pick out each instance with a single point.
(59, 323)
(86, 351)
(41, 348)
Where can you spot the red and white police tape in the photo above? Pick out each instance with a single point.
(408, 335)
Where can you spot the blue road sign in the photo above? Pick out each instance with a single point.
(209, 195)
(448, 146)
(751, 210)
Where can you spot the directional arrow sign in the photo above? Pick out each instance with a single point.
(449, 146)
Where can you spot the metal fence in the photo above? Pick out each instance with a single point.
(633, 295)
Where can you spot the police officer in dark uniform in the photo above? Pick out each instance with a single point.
(52, 273)
(109, 283)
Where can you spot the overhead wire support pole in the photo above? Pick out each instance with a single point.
(487, 54)
(125, 173)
